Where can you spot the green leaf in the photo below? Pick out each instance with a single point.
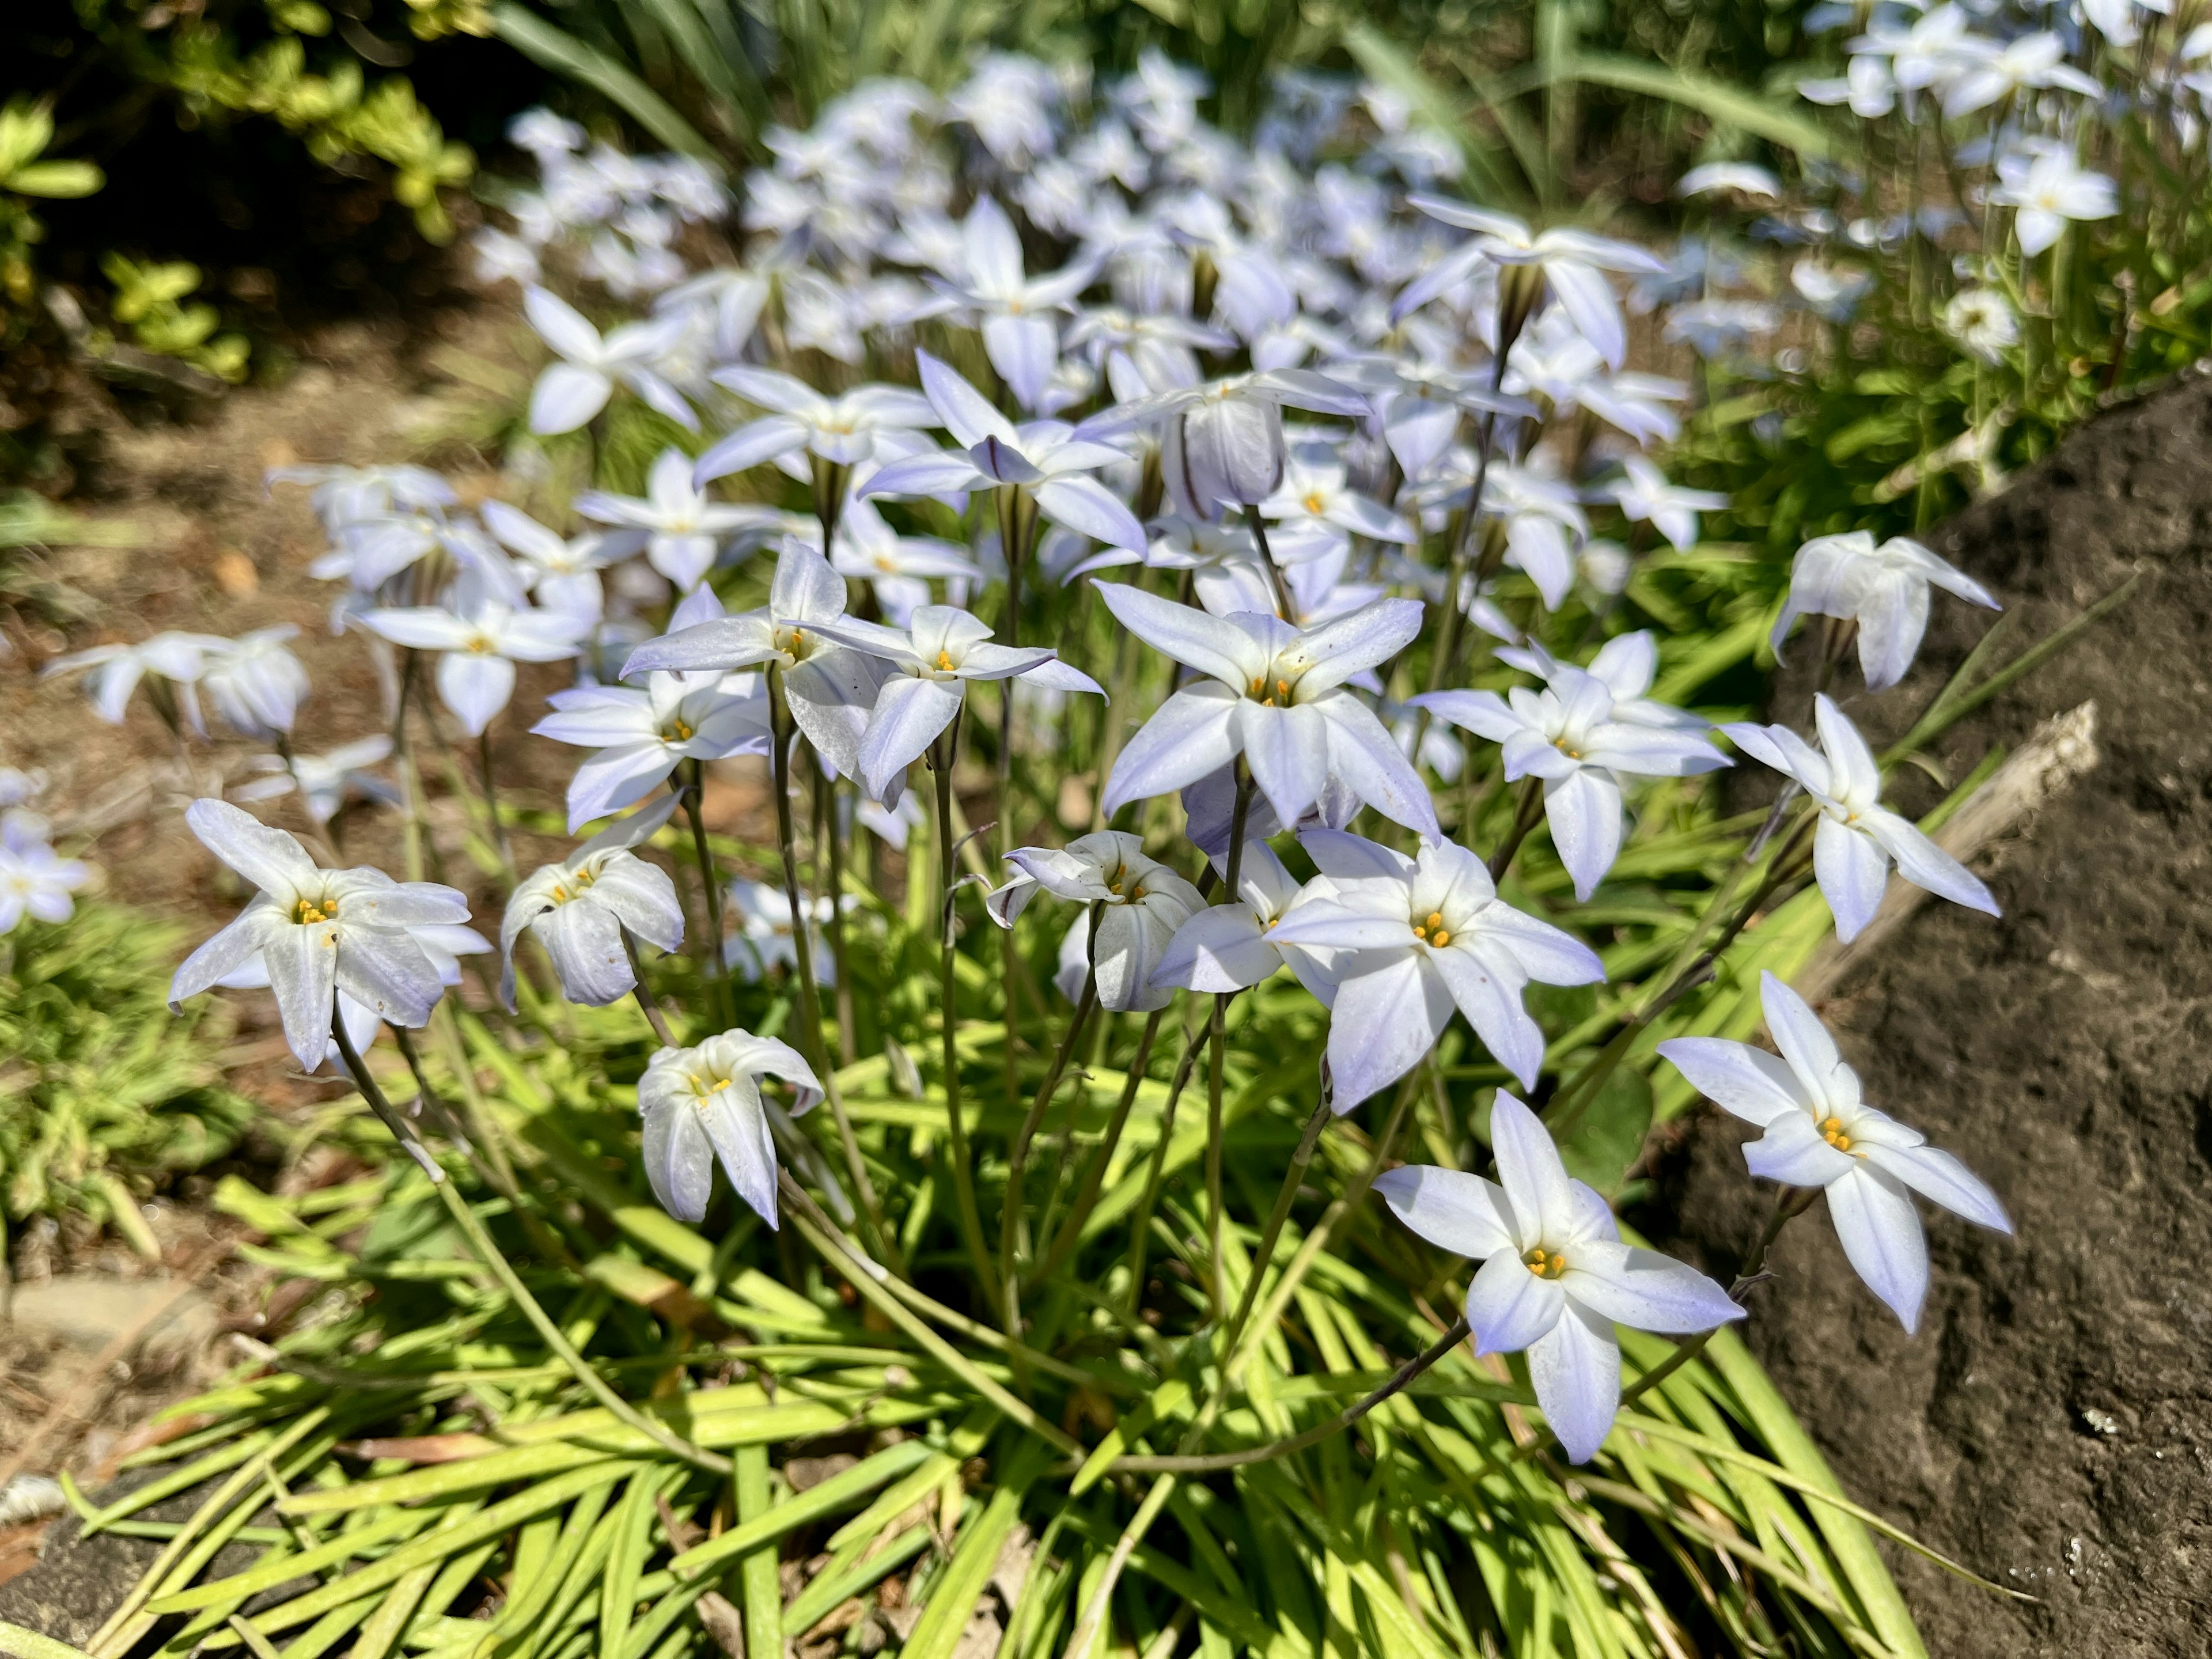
(1764, 118)
(56, 179)
(563, 53)
(29, 1644)
(1608, 1136)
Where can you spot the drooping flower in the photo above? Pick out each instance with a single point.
(257, 683)
(830, 686)
(176, 661)
(845, 429)
(931, 661)
(570, 391)
(1568, 264)
(641, 734)
(1857, 839)
(1566, 735)
(1555, 1277)
(685, 531)
(704, 1102)
(1820, 1133)
(1222, 443)
(1142, 905)
(1048, 458)
(1884, 590)
(1423, 936)
(1275, 693)
(318, 932)
(477, 651)
(1982, 322)
(578, 908)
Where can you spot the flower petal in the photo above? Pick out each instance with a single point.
(1511, 1307)
(1576, 1369)
(1452, 1209)
(1881, 1234)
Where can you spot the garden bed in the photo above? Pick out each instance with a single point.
(2049, 1425)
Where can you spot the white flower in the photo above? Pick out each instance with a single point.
(578, 908)
(571, 390)
(1866, 86)
(685, 530)
(318, 932)
(1570, 263)
(2049, 189)
(704, 1102)
(1143, 903)
(1627, 665)
(1644, 494)
(1231, 946)
(1715, 325)
(561, 574)
(1883, 589)
(1223, 444)
(478, 650)
(830, 686)
(1416, 937)
(1741, 177)
(1316, 513)
(845, 429)
(1421, 404)
(766, 940)
(1858, 839)
(1019, 336)
(1555, 1277)
(640, 735)
(257, 683)
(932, 660)
(1982, 322)
(1566, 735)
(1820, 1133)
(34, 880)
(2031, 60)
(344, 495)
(898, 567)
(1275, 693)
(1048, 458)
(328, 780)
(177, 659)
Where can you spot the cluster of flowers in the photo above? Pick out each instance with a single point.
(1205, 289)
(35, 881)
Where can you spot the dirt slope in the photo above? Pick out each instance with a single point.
(2051, 1423)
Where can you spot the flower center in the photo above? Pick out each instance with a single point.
(1312, 502)
(679, 730)
(704, 1087)
(1269, 695)
(308, 912)
(943, 662)
(1543, 1265)
(1432, 931)
(1832, 1131)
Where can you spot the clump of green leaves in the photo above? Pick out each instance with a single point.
(103, 1095)
(27, 175)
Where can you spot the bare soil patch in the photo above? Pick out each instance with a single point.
(2051, 1423)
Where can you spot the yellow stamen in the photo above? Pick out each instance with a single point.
(681, 730)
(1442, 938)
(1314, 504)
(945, 662)
(1283, 689)
(1545, 1265)
(1832, 1131)
(1258, 685)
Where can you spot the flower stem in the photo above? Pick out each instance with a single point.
(718, 973)
(826, 787)
(491, 803)
(489, 1254)
(810, 997)
(1789, 1204)
(1018, 1157)
(1293, 1178)
(646, 999)
(1211, 1462)
(1217, 1059)
(1140, 1232)
(1094, 1173)
(1528, 807)
(1283, 606)
(942, 755)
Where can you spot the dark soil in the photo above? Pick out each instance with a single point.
(2051, 1425)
